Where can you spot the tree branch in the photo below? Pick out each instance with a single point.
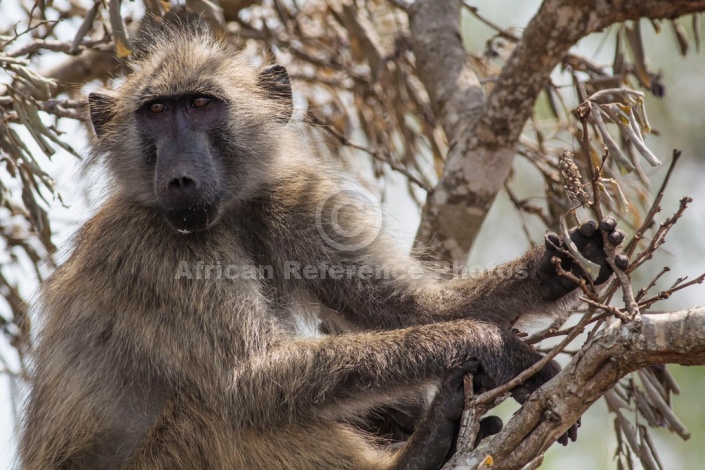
(482, 150)
(557, 26)
(99, 64)
(677, 338)
(441, 62)
(457, 98)
(76, 71)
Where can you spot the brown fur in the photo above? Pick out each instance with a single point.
(139, 369)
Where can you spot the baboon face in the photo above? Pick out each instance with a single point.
(192, 131)
(179, 132)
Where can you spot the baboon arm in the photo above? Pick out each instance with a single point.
(385, 288)
(300, 377)
(360, 271)
(503, 294)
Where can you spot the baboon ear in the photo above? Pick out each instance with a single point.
(275, 80)
(101, 109)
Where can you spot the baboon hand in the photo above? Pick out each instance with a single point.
(523, 391)
(451, 397)
(589, 241)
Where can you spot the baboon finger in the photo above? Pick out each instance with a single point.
(622, 261)
(471, 366)
(588, 228)
(615, 237)
(608, 224)
(489, 426)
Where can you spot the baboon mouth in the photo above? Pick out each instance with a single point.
(191, 219)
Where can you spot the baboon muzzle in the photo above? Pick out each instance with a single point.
(186, 180)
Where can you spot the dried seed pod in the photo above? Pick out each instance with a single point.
(573, 180)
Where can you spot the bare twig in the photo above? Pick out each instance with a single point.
(646, 289)
(344, 140)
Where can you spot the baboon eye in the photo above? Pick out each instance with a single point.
(200, 102)
(157, 107)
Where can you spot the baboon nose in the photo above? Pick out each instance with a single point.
(182, 183)
(185, 193)
(181, 189)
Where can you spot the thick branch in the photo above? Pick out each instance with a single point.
(557, 26)
(457, 99)
(677, 337)
(481, 152)
(441, 62)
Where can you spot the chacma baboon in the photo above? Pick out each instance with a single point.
(177, 335)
